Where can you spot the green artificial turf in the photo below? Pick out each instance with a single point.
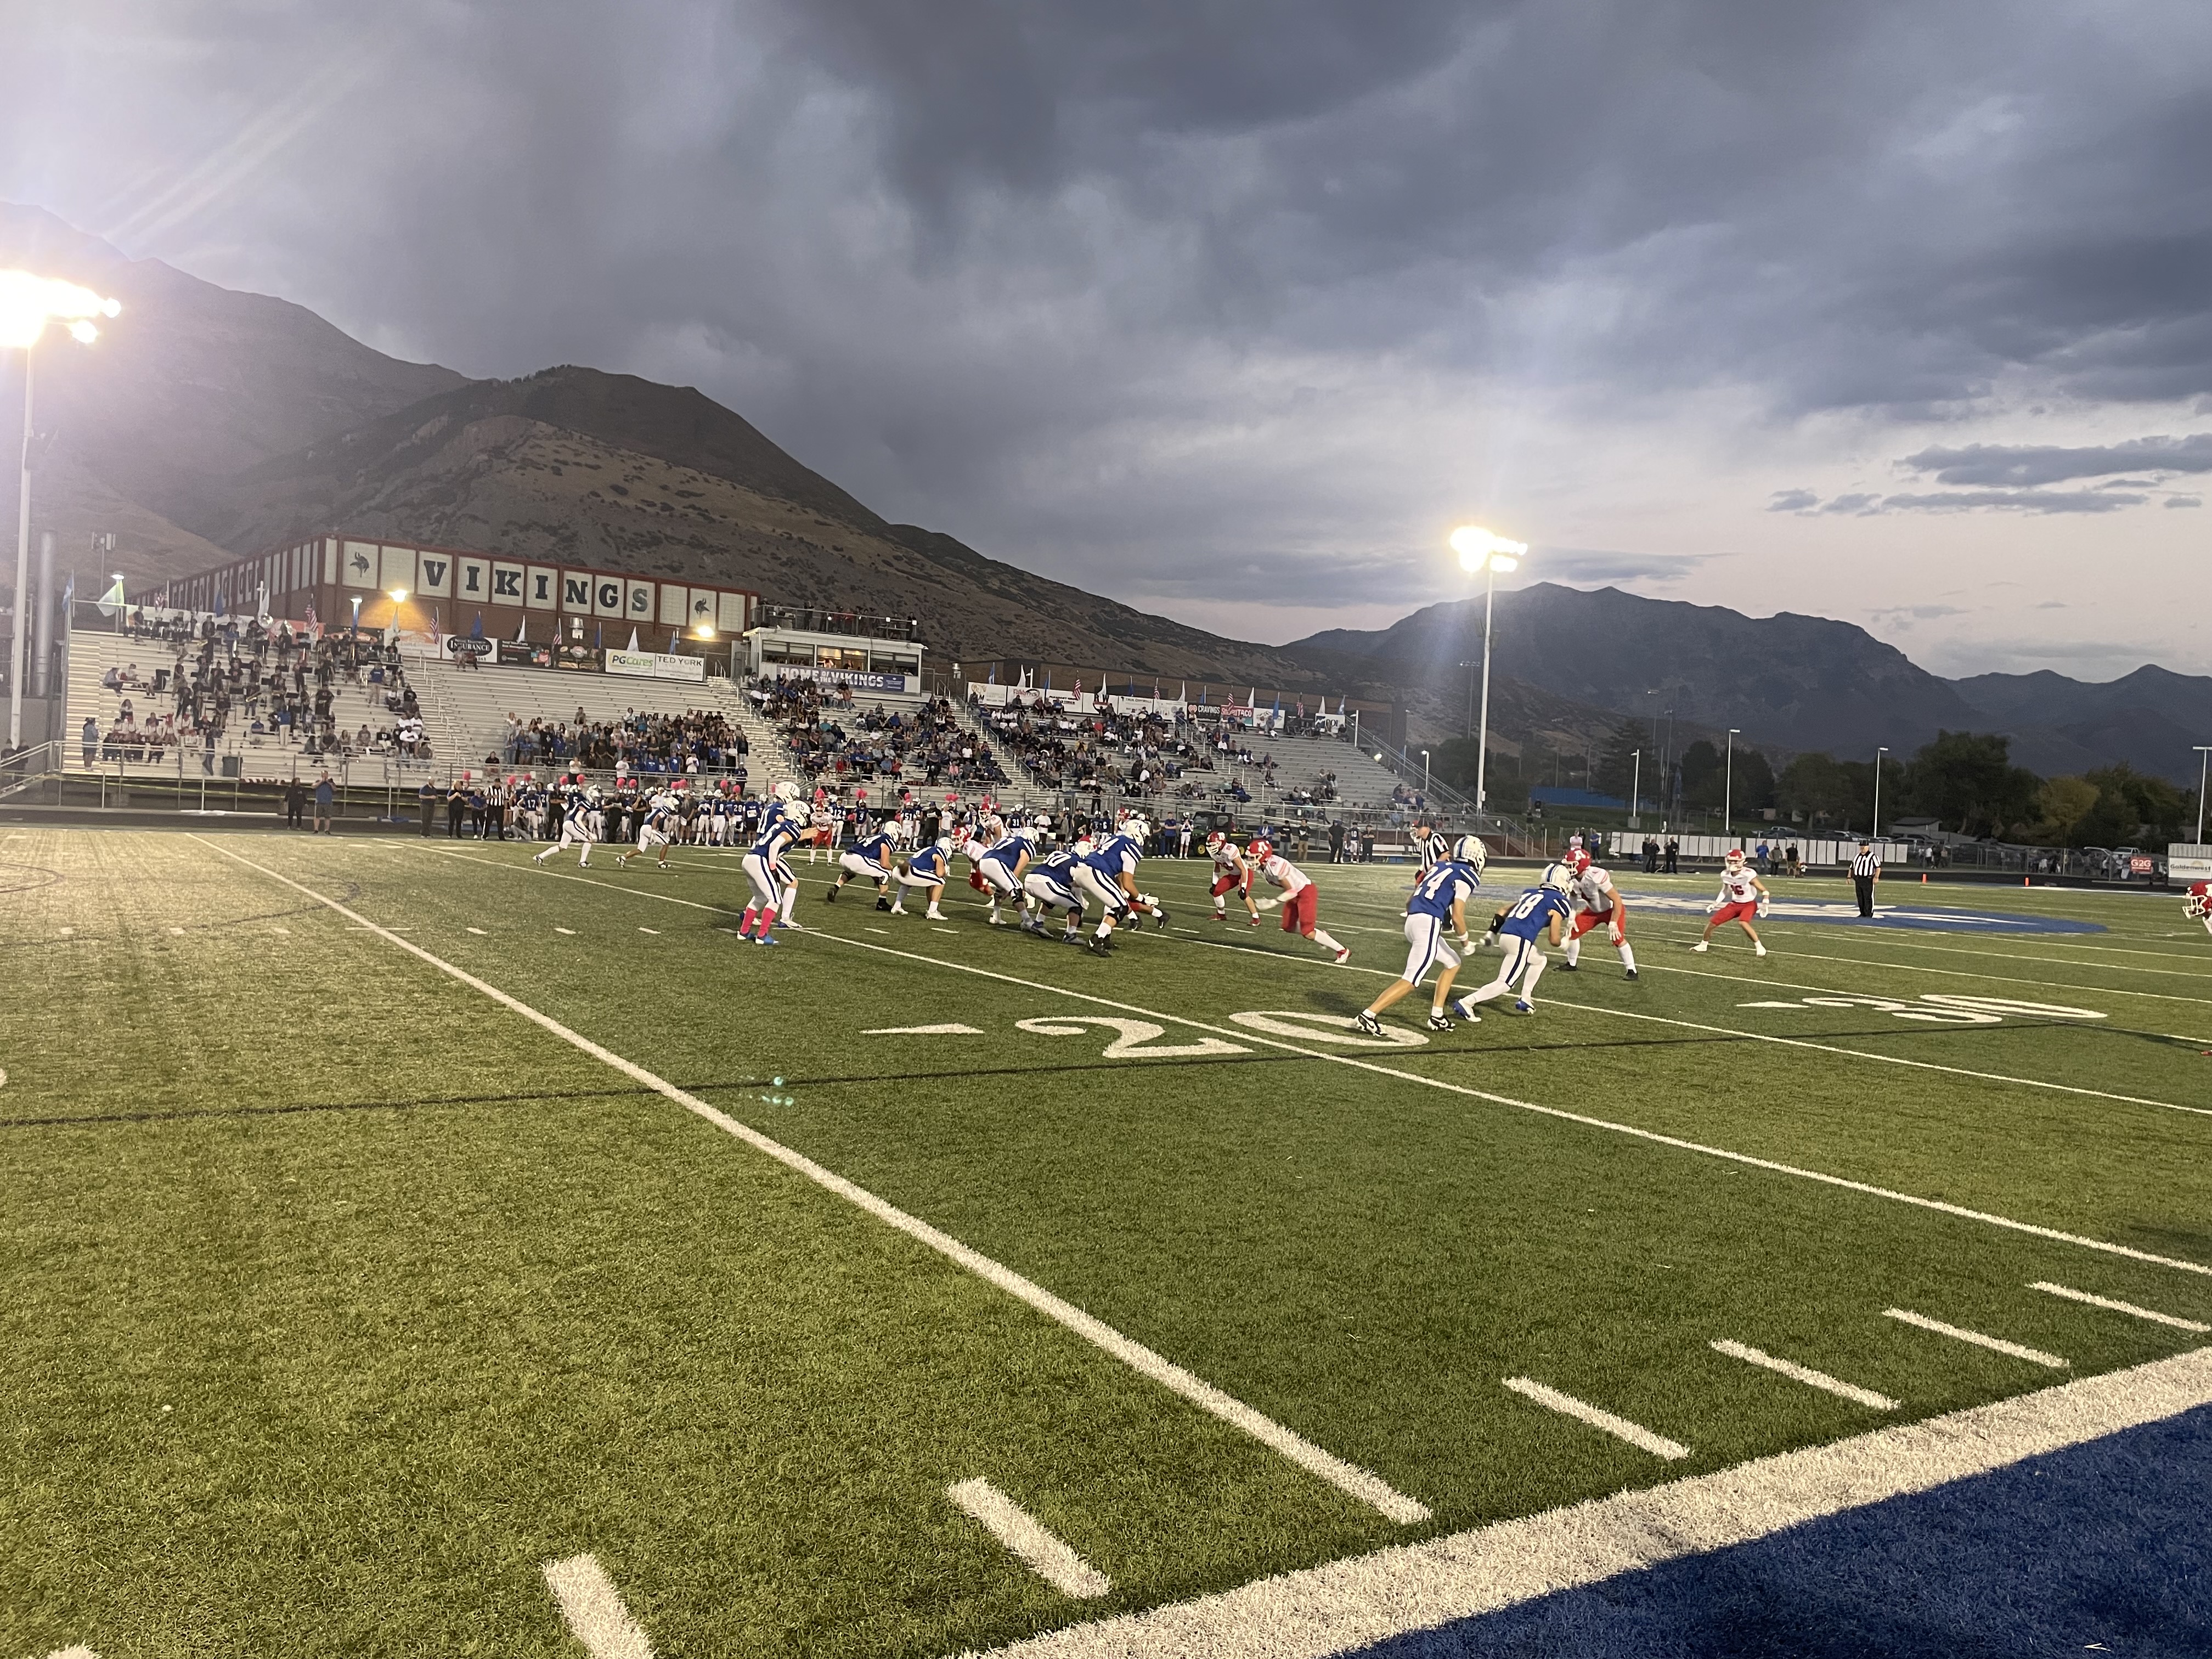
(339, 1298)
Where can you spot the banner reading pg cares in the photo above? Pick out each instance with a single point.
(656, 665)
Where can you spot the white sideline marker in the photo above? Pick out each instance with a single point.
(925, 1030)
(593, 1609)
(1360, 1484)
(1804, 1374)
(1657, 1445)
(1025, 1536)
(1994, 1344)
(2174, 1320)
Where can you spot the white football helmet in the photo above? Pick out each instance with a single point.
(786, 790)
(944, 845)
(1137, 826)
(799, 814)
(591, 794)
(1556, 877)
(1473, 851)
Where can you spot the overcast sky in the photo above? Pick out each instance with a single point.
(1896, 312)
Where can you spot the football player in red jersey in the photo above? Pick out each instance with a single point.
(1300, 901)
(1743, 896)
(2196, 904)
(1231, 874)
(1598, 904)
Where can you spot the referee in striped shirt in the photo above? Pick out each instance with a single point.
(1866, 870)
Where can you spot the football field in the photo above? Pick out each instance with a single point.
(412, 1250)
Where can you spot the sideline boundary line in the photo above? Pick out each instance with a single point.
(1347, 1478)
(1239, 1034)
(1366, 1600)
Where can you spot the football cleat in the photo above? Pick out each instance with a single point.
(1699, 946)
(1343, 955)
(1099, 947)
(899, 910)
(830, 896)
(1522, 1005)
(1758, 950)
(1367, 1022)
(1631, 974)
(1159, 919)
(1440, 1022)
(1566, 967)
(762, 938)
(881, 903)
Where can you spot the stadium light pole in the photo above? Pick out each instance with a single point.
(1878, 754)
(27, 304)
(2203, 760)
(1479, 550)
(1635, 790)
(1424, 771)
(1727, 790)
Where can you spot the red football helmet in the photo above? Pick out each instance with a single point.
(1259, 848)
(1578, 861)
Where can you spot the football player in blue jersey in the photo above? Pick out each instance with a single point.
(870, 855)
(657, 831)
(575, 828)
(1108, 873)
(1436, 909)
(927, 870)
(782, 825)
(1540, 913)
(1050, 885)
(1002, 868)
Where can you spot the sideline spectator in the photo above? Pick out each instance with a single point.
(1674, 855)
(427, 798)
(324, 793)
(295, 802)
(90, 739)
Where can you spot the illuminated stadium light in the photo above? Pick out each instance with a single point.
(1490, 555)
(28, 303)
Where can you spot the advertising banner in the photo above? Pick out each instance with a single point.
(525, 654)
(656, 665)
(458, 646)
(860, 679)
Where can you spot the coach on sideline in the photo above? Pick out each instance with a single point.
(1866, 870)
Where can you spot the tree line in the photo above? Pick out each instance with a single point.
(1964, 781)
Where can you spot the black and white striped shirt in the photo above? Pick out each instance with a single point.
(1433, 849)
(1867, 863)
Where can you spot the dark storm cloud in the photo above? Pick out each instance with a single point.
(1143, 294)
(2043, 463)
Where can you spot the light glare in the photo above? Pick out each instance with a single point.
(28, 303)
(1479, 548)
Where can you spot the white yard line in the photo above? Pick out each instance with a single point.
(1620, 1427)
(1368, 1600)
(1352, 1482)
(593, 1609)
(1027, 1538)
(655, 931)
(570, 932)
(1804, 1374)
(1884, 1060)
(1979, 1339)
(80, 1651)
(2174, 1320)
(1937, 1204)
(479, 933)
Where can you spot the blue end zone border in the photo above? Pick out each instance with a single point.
(2101, 1547)
(1932, 918)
